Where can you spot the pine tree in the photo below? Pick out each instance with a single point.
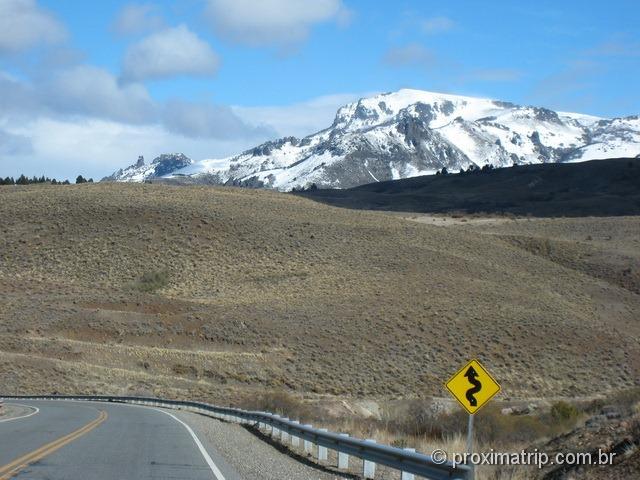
(80, 179)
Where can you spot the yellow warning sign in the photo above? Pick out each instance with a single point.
(472, 386)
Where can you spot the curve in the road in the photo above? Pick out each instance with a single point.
(135, 442)
(19, 464)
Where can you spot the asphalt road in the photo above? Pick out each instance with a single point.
(100, 441)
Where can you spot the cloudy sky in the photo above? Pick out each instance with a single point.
(86, 87)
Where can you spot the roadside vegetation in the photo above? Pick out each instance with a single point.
(423, 425)
(425, 420)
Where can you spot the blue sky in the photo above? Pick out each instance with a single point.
(90, 85)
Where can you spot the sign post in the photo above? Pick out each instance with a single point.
(470, 445)
(472, 386)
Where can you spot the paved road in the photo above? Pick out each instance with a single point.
(80, 440)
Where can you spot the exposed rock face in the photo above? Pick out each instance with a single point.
(168, 163)
(408, 133)
(159, 167)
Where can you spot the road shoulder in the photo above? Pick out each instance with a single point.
(251, 457)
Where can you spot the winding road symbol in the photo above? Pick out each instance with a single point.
(472, 376)
(472, 386)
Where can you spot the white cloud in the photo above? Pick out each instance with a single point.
(23, 24)
(64, 148)
(299, 119)
(17, 96)
(494, 75)
(94, 92)
(272, 22)
(204, 120)
(435, 25)
(411, 55)
(65, 138)
(168, 53)
(83, 121)
(137, 18)
(12, 144)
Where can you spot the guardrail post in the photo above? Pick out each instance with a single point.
(274, 430)
(322, 451)
(369, 468)
(407, 475)
(284, 435)
(267, 428)
(308, 446)
(295, 441)
(343, 458)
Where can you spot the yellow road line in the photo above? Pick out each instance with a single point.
(11, 469)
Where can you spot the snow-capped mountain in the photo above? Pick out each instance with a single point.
(413, 132)
(163, 165)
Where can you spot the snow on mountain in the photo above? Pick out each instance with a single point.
(409, 133)
(163, 165)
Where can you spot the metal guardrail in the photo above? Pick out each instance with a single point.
(408, 462)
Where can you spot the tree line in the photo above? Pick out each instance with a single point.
(472, 169)
(24, 180)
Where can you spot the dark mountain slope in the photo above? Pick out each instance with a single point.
(598, 188)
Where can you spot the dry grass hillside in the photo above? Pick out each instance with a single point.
(219, 293)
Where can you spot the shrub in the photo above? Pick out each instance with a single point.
(151, 281)
(420, 419)
(400, 443)
(634, 429)
(492, 427)
(564, 412)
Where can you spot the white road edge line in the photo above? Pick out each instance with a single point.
(35, 410)
(214, 468)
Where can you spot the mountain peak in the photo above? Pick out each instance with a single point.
(407, 133)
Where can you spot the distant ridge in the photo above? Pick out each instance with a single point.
(594, 188)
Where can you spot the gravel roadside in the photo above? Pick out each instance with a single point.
(251, 457)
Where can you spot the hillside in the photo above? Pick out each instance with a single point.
(405, 134)
(223, 292)
(598, 187)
